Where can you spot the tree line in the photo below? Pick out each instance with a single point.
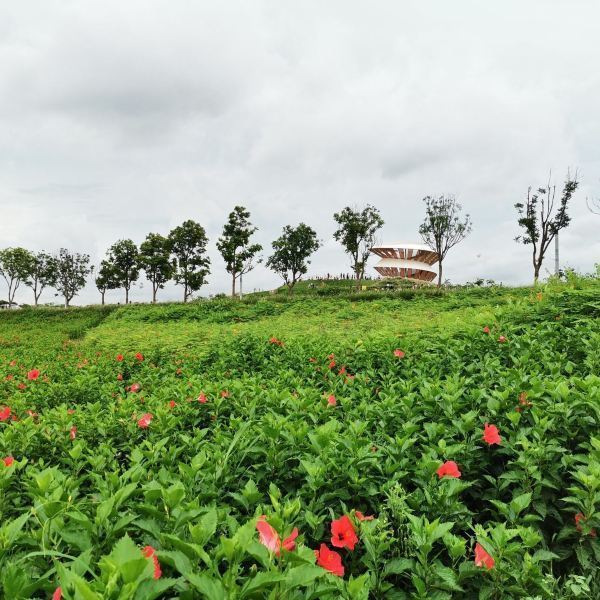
(181, 255)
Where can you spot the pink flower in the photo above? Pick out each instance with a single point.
(398, 353)
(33, 374)
(135, 387)
(331, 401)
(502, 340)
(73, 432)
(269, 538)
(448, 469)
(486, 329)
(145, 420)
(57, 594)
(202, 398)
(482, 558)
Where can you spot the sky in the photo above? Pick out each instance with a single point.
(122, 118)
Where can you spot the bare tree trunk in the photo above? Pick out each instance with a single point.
(102, 294)
(233, 285)
(439, 282)
(66, 302)
(126, 295)
(185, 292)
(154, 293)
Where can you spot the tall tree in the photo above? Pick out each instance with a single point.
(124, 258)
(72, 270)
(291, 251)
(15, 267)
(105, 279)
(356, 232)
(234, 244)
(443, 227)
(188, 246)
(42, 274)
(540, 228)
(155, 259)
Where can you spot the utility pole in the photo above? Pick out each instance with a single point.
(556, 261)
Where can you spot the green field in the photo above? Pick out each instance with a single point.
(299, 409)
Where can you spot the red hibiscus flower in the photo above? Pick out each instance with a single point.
(145, 420)
(4, 413)
(448, 469)
(362, 517)
(482, 558)
(486, 329)
(224, 394)
(275, 341)
(172, 404)
(502, 340)
(581, 517)
(33, 374)
(331, 401)
(13, 363)
(150, 552)
(8, 461)
(139, 356)
(73, 432)
(343, 534)
(120, 377)
(269, 538)
(135, 387)
(57, 594)
(119, 357)
(330, 560)
(491, 434)
(398, 353)
(202, 398)
(332, 364)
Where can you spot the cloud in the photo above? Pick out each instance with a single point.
(118, 119)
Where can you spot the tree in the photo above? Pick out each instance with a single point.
(15, 267)
(356, 232)
(105, 279)
(291, 252)
(443, 228)
(124, 259)
(155, 259)
(234, 245)
(188, 246)
(72, 270)
(41, 274)
(541, 228)
(593, 205)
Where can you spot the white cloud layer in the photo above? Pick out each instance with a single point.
(122, 118)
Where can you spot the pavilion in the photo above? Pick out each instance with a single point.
(414, 262)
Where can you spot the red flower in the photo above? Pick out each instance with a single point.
(73, 432)
(5, 413)
(486, 329)
(70, 411)
(581, 517)
(172, 404)
(332, 364)
(269, 538)
(275, 341)
(482, 558)
(120, 377)
(312, 360)
(33, 374)
(135, 387)
(362, 517)
(491, 434)
(31, 413)
(57, 594)
(343, 534)
(139, 356)
(10, 377)
(224, 394)
(331, 401)
(145, 420)
(8, 461)
(202, 398)
(448, 469)
(13, 363)
(502, 339)
(119, 357)
(398, 353)
(150, 552)
(330, 560)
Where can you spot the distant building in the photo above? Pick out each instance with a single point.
(414, 262)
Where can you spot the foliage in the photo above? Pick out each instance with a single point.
(242, 426)
(15, 267)
(540, 230)
(291, 251)
(123, 258)
(40, 274)
(443, 228)
(72, 270)
(155, 259)
(356, 232)
(106, 279)
(234, 244)
(188, 244)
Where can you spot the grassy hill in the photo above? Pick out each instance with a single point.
(177, 426)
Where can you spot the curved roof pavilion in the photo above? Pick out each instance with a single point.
(407, 261)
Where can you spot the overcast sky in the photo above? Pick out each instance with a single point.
(122, 118)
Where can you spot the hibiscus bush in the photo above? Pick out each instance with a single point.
(271, 450)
